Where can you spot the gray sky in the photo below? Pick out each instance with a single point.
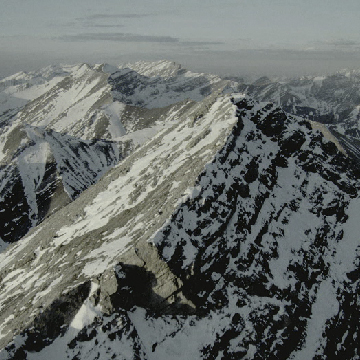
(238, 37)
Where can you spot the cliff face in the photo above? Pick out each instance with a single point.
(232, 234)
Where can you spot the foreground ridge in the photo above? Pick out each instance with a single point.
(232, 235)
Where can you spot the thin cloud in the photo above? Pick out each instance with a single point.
(118, 16)
(336, 44)
(102, 20)
(112, 16)
(104, 25)
(136, 38)
(201, 43)
(119, 37)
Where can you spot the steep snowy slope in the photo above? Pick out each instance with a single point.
(231, 235)
(127, 205)
(69, 109)
(69, 104)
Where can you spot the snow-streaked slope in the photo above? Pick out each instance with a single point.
(231, 235)
(34, 83)
(70, 99)
(98, 101)
(43, 164)
(70, 105)
(126, 206)
(161, 68)
(87, 101)
(16, 90)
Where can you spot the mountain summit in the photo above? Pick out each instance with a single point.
(230, 233)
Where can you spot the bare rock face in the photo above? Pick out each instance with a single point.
(127, 286)
(232, 234)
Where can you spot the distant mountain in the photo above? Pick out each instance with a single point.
(88, 101)
(333, 100)
(163, 83)
(215, 228)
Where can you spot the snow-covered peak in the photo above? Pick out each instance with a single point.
(160, 84)
(162, 68)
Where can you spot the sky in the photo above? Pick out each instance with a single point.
(227, 37)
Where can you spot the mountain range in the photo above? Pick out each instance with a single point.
(156, 213)
(332, 100)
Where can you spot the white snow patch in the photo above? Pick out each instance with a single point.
(105, 255)
(40, 294)
(7, 256)
(87, 312)
(31, 165)
(113, 112)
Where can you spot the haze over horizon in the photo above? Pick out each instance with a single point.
(228, 37)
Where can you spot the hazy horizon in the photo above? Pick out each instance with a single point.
(228, 37)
